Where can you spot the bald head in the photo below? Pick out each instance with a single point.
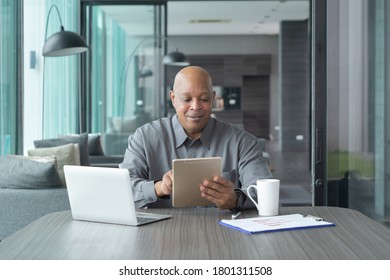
(194, 75)
(192, 97)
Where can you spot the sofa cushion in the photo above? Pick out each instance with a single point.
(124, 125)
(81, 139)
(28, 173)
(20, 207)
(95, 144)
(64, 154)
(48, 159)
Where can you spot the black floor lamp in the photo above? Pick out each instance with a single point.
(174, 58)
(61, 43)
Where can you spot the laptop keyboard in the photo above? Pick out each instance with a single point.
(145, 219)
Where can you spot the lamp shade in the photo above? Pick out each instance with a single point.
(64, 43)
(145, 72)
(175, 58)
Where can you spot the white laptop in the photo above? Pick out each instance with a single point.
(101, 194)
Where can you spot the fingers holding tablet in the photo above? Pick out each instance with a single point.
(219, 191)
(164, 187)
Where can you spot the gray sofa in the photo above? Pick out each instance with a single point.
(30, 189)
(20, 207)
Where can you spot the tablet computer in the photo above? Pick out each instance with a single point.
(188, 174)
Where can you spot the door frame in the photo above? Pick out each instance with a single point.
(318, 101)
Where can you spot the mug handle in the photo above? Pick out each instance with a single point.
(249, 194)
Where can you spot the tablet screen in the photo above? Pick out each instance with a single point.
(188, 174)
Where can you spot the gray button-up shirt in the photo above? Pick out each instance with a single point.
(153, 146)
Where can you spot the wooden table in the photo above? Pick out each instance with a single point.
(195, 233)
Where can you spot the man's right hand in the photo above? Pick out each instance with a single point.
(164, 187)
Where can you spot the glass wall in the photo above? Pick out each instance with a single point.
(9, 89)
(126, 71)
(358, 95)
(51, 91)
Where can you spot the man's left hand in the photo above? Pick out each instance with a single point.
(219, 191)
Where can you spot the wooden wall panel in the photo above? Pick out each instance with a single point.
(256, 105)
(295, 92)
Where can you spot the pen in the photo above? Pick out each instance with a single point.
(317, 219)
(235, 215)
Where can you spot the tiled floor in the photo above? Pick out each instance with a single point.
(292, 169)
(289, 167)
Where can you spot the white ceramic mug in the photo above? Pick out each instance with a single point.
(267, 196)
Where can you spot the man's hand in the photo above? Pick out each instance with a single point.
(164, 187)
(220, 192)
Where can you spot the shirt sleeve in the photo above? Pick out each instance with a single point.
(252, 166)
(135, 161)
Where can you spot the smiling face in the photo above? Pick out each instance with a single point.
(192, 97)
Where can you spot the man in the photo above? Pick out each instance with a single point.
(192, 132)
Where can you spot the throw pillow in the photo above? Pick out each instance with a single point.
(77, 154)
(65, 155)
(28, 173)
(95, 144)
(124, 125)
(81, 139)
(47, 159)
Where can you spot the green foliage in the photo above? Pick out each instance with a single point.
(339, 162)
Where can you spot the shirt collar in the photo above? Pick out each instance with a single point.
(181, 136)
(206, 133)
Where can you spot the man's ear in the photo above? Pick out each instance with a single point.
(172, 96)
